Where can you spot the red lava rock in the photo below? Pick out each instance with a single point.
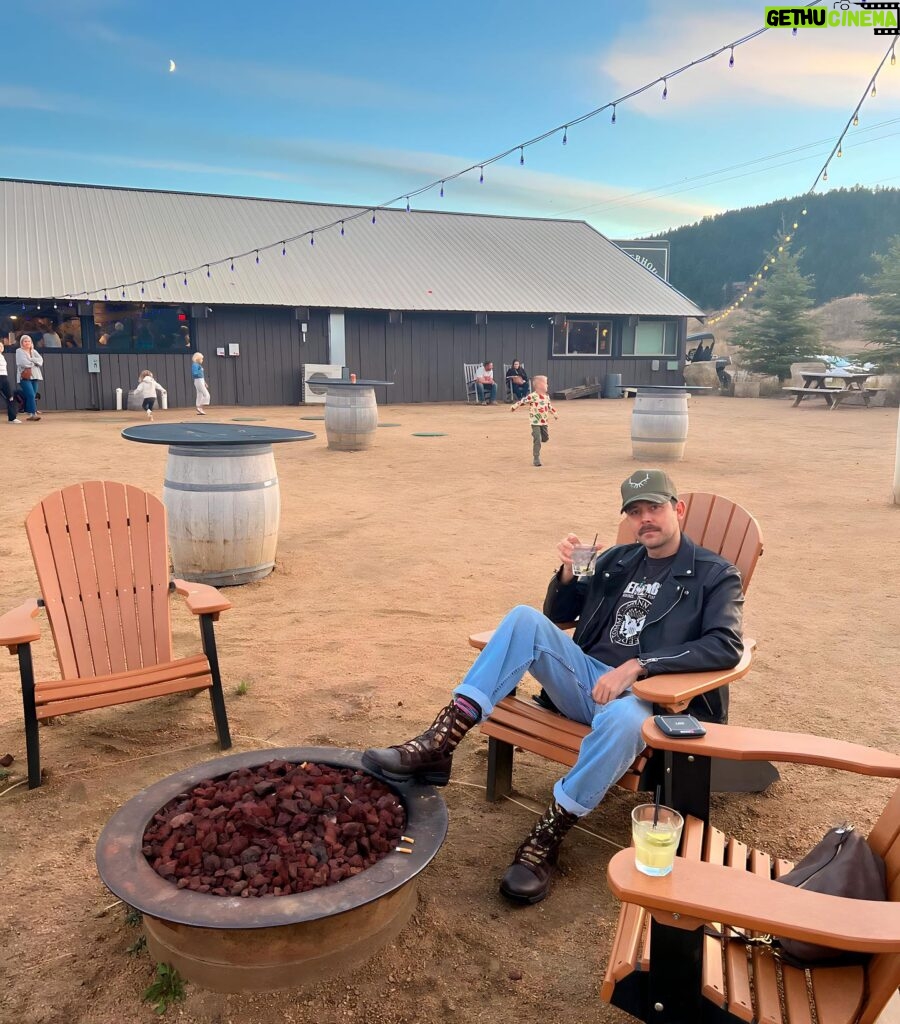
(274, 830)
(515, 975)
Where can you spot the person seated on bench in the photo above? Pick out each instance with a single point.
(517, 377)
(485, 384)
(661, 605)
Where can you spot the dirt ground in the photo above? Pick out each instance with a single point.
(387, 560)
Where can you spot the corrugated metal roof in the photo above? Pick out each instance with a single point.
(66, 239)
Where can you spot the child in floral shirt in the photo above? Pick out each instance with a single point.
(540, 408)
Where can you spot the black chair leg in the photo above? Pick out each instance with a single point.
(32, 736)
(499, 771)
(216, 694)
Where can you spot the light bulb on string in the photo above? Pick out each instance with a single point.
(794, 31)
(105, 297)
(232, 264)
(442, 190)
(787, 238)
(481, 177)
(407, 204)
(257, 257)
(840, 151)
(856, 120)
(566, 135)
(874, 91)
(665, 91)
(312, 238)
(184, 282)
(731, 58)
(373, 216)
(164, 282)
(208, 272)
(613, 118)
(893, 57)
(142, 287)
(825, 175)
(521, 155)
(803, 212)
(123, 296)
(794, 225)
(342, 229)
(284, 248)
(766, 267)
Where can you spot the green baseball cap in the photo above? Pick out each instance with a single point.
(648, 485)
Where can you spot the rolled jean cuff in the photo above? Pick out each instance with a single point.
(567, 803)
(480, 698)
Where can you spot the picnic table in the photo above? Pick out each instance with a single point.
(833, 385)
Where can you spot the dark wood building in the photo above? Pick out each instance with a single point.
(409, 299)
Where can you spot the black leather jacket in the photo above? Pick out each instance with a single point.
(693, 625)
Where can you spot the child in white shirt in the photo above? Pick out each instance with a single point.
(147, 388)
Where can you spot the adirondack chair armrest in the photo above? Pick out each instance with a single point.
(201, 599)
(736, 743)
(700, 892)
(678, 689)
(18, 626)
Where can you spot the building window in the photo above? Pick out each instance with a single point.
(47, 327)
(652, 338)
(583, 338)
(127, 327)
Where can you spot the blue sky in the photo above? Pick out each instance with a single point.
(358, 102)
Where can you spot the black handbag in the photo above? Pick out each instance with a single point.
(840, 864)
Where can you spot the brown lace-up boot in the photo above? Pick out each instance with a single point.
(425, 758)
(527, 879)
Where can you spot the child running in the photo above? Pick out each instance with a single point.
(539, 402)
(147, 387)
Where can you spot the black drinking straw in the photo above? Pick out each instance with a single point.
(656, 808)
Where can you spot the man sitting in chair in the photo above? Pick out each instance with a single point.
(660, 605)
(485, 384)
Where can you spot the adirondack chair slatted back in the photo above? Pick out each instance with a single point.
(884, 968)
(720, 525)
(101, 557)
(469, 370)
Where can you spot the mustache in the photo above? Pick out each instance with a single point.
(647, 529)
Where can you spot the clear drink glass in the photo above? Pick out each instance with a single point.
(583, 556)
(655, 846)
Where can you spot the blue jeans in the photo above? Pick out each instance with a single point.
(28, 389)
(527, 641)
(481, 389)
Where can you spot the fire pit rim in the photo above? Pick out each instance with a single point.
(126, 873)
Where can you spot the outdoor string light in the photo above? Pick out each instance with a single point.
(480, 165)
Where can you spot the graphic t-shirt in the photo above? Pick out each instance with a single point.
(623, 622)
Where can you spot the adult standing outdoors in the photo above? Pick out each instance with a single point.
(660, 605)
(28, 372)
(199, 382)
(6, 389)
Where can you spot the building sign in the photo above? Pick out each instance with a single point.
(651, 253)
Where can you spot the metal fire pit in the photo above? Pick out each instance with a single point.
(232, 944)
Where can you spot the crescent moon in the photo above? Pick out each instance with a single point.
(171, 65)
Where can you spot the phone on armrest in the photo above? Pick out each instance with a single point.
(683, 726)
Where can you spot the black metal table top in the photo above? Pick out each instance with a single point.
(339, 382)
(212, 434)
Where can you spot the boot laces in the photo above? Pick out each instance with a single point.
(445, 728)
(545, 837)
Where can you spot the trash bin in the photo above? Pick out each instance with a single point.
(612, 385)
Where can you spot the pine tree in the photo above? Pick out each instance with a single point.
(779, 331)
(883, 329)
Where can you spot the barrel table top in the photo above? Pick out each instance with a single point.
(668, 387)
(212, 434)
(340, 382)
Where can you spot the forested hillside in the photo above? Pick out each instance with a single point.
(838, 235)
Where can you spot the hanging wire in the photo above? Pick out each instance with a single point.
(481, 164)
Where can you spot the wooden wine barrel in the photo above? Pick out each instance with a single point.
(659, 425)
(223, 506)
(351, 417)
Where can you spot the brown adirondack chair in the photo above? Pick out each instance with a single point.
(663, 965)
(715, 523)
(102, 564)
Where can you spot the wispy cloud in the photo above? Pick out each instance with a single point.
(236, 76)
(149, 163)
(825, 68)
(16, 97)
